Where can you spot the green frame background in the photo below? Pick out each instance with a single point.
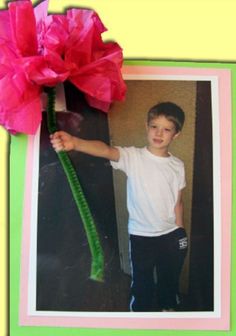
(18, 146)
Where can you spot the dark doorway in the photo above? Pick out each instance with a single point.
(63, 257)
(202, 257)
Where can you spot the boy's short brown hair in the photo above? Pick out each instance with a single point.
(171, 111)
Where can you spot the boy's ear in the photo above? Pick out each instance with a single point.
(176, 135)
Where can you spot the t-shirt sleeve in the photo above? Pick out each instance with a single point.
(182, 179)
(125, 161)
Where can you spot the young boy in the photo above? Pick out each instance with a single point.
(155, 179)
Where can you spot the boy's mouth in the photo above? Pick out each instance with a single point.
(157, 141)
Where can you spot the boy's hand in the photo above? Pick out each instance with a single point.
(62, 141)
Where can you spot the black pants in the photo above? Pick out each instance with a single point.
(164, 255)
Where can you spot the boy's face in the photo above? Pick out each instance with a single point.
(160, 133)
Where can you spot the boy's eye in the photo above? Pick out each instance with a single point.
(160, 128)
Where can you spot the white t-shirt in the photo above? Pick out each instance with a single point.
(153, 183)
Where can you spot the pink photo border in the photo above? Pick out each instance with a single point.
(147, 322)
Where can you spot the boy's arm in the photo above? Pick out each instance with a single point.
(64, 141)
(179, 210)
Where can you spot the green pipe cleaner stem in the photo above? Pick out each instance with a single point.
(97, 264)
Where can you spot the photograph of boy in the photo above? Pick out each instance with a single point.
(146, 170)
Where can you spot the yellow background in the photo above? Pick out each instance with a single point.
(150, 29)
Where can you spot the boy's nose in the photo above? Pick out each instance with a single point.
(159, 131)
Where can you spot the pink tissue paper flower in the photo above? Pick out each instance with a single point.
(38, 50)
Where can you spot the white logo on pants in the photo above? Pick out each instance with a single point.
(183, 243)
